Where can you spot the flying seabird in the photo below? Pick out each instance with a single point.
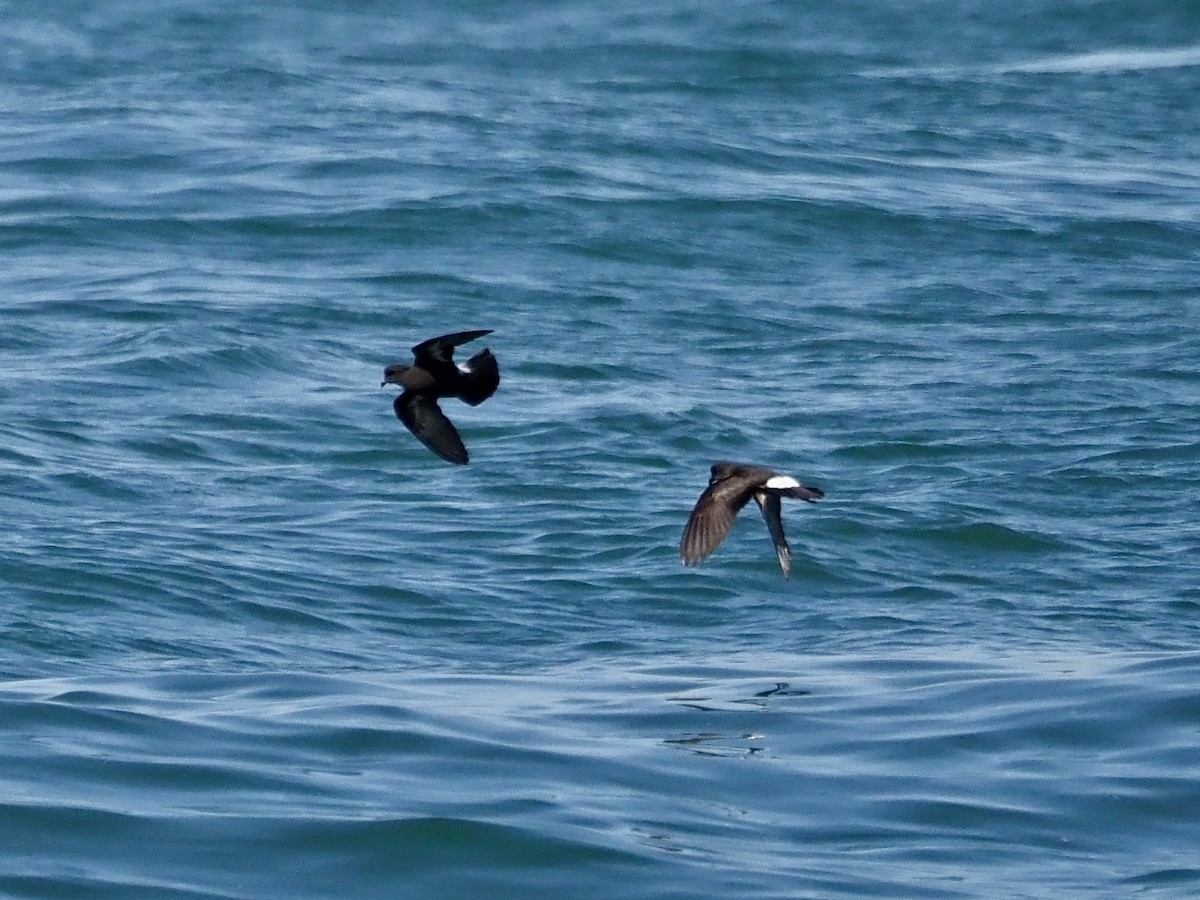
(730, 487)
(433, 374)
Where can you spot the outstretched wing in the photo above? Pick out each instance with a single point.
(713, 516)
(439, 351)
(768, 502)
(424, 418)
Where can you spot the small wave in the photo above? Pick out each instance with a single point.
(1108, 61)
(1111, 61)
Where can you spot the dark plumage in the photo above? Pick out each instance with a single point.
(433, 374)
(730, 487)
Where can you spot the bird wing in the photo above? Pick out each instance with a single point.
(440, 350)
(768, 502)
(424, 418)
(713, 516)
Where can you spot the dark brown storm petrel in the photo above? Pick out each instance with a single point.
(433, 374)
(729, 489)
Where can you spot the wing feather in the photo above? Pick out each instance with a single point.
(425, 419)
(713, 516)
(768, 502)
(441, 349)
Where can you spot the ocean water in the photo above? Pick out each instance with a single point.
(941, 259)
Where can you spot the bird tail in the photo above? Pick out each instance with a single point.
(481, 378)
(803, 492)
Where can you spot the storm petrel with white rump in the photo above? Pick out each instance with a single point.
(433, 374)
(729, 489)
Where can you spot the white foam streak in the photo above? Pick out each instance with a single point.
(1130, 60)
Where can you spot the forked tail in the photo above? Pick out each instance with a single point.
(481, 378)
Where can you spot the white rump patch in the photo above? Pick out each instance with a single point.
(781, 482)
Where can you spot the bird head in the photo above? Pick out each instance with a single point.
(394, 374)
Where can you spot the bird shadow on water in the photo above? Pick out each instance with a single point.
(738, 743)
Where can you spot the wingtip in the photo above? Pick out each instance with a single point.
(784, 554)
(448, 454)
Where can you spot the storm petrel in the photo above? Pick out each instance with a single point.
(434, 374)
(730, 487)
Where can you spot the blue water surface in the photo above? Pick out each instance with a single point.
(938, 258)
